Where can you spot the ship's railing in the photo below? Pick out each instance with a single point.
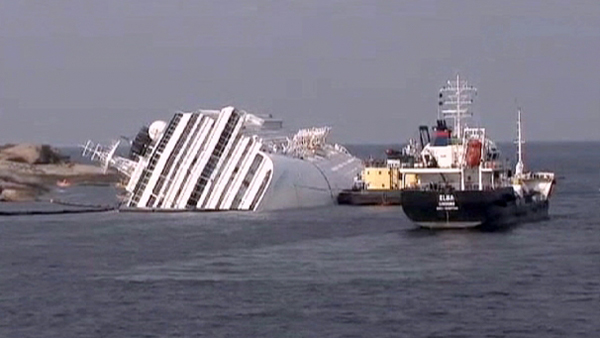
(105, 155)
(436, 187)
(306, 141)
(477, 133)
(493, 165)
(371, 163)
(341, 149)
(441, 187)
(538, 175)
(543, 175)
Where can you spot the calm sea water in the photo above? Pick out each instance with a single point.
(327, 272)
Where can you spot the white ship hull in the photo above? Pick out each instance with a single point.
(298, 183)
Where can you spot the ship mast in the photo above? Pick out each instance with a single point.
(106, 156)
(459, 98)
(519, 166)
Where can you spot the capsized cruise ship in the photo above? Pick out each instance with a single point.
(229, 160)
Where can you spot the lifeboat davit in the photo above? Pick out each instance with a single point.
(473, 153)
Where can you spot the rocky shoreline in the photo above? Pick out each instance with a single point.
(27, 171)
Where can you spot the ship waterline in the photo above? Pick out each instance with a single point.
(230, 160)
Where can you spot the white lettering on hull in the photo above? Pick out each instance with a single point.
(446, 202)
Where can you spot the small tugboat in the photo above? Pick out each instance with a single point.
(459, 180)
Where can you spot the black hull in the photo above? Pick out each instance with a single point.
(369, 197)
(471, 208)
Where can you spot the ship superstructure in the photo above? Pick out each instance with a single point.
(458, 158)
(229, 159)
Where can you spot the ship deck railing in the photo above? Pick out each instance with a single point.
(449, 188)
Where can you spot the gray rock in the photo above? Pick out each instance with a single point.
(28, 170)
(31, 154)
(18, 195)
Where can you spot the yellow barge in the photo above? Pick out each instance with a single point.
(380, 182)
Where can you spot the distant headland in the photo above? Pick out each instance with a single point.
(29, 170)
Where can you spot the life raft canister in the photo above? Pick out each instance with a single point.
(473, 153)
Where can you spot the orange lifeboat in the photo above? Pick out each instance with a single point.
(473, 153)
(63, 183)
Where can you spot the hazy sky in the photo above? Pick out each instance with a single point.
(73, 70)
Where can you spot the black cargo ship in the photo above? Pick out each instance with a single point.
(459, 180)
